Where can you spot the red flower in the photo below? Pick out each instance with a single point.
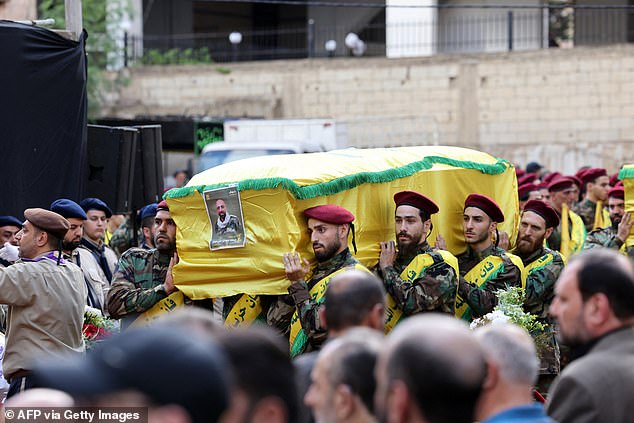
(90, 331)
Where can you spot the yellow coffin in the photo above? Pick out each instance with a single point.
(274, 190)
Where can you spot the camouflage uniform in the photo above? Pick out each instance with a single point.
(540, 291)
(281, 311)
(137, 284)
(605, 238)
(232, 226)
(482, 300)
(554, 240)
(586, 210)
(122, 238)
(433, 290)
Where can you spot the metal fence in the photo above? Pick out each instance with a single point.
(448, 30)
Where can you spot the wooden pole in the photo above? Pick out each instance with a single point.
(74, 21)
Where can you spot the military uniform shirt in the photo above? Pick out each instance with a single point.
(605, 237)
(137, 283)
(483, 299)
(540, 291)
(281, 311)
(46, 311)
(434, 290)
(586, 210)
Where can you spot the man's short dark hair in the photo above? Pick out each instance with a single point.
(350, 297)
(148, 222)
(600, 272)
(442, 392)
(262, 366)
(52, 241)
(353, 361)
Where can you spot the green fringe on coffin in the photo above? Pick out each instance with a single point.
(347, 182)
(626, 173)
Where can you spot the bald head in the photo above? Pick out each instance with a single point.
(441, 364)
(351, 297)
(511, 349)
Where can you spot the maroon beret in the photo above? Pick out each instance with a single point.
(560, 184)
(551, 176)
(487, 205)
(525, 189)
(614, 179)
(519, 172)
(329, 213)
(542, 185)
(576, 180)
(542, 208)
(617, 192)
(48, 221)
(591, 174)
(526, 179)
(414, 199)
(162, 206)
(581, 171)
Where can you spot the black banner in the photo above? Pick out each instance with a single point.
(43, 117)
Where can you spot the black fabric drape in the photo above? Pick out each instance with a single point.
(42, 117)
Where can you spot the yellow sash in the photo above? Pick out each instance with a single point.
(572, 239)
(565, 232)
(482, 272)
(539, 264)
(165, 306)
(601, 217)
(578, 234)
(298, 338)
(412, 272)
(244, 312)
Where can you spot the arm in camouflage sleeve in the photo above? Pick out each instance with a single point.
(482, 300)
(126, 295)
(435, 290)
(308, 312)
(602, 239)
(586, 212)
(280, 313)
(122, 238)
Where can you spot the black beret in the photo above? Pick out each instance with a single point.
(10, 221)
(95, 204)
(68, 208)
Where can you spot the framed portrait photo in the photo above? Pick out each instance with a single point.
(224, 209)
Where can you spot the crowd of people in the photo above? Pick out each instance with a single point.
(321, 352)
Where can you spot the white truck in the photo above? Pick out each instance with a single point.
(245, 138)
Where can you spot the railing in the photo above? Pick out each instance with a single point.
(446, 30)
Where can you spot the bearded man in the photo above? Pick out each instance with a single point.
(615, 235)
(543, 267)
(419, 278)
(297, 313)
(144, 277)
